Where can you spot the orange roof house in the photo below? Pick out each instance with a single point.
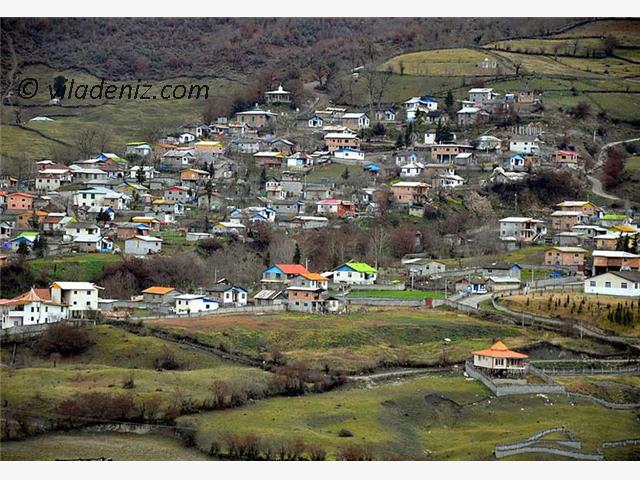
(158, 294)
(499, 357)
(158, 290)
(282, 272)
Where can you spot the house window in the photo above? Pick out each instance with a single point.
(592, 283)
(623, 285)
(607, 284)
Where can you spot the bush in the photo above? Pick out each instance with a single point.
(355, 453)
(64, 340)
(166, 361)
(316, 453)
(344, 433)
(98, 406)
(128, 383)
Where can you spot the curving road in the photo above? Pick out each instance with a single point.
(596, 184)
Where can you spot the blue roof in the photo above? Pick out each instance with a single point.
(427, 99)
(517, 157)
(373, 167)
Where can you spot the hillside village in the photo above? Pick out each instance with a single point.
(125, 204)
(412, 261)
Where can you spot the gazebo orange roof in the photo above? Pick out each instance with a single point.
(500, 350)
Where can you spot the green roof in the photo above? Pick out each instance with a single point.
(614, 216)
(361, 267)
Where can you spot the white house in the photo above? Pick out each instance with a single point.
(521, 229)
(625, 283)
(412, 169)
(356, 120)
(349, 154)
(148, 171)
(138, 148)
(79, 297)
(355, 273)
(481, 95)
(188, 303)
(422, 104)
(31, 308)
(448, 180)
(526, 145)
(142, 245)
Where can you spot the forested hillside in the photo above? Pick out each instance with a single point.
(162, 48)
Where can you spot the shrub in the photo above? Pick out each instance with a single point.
(355, 453)
(344, 433)
(316, 453)
(128, 383)
(64, 340)
(166, 361)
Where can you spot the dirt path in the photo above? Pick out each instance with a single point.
(596, 184)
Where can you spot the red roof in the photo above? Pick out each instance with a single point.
(500, 350)
(21, 194)
(292, 268)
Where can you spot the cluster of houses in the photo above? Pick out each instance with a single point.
(110, 204)
(581, 237)
(290, 285)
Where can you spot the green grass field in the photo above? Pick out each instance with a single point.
(632, 164)
(548, 46)
(114, 356)
(399, 294)
(116, 446)
(430, 417)
(114, 347)
(447, 62)
(531, 255)
(81, 267)
(126, 119)
(361, 340)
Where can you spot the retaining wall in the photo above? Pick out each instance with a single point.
(554, 451)
(379, 286)
(384, 302)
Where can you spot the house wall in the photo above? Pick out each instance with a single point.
(598, 285)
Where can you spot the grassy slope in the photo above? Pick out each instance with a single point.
(116, 355)
(114, 347)
(446, 62)
(75, 267)
(532, 255)
(401, 421)
(126, 119)
(117, 446)
(355, 341)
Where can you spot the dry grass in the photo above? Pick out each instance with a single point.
(577, 306)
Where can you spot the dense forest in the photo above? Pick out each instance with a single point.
(154, 48)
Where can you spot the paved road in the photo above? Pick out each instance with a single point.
(474, 300)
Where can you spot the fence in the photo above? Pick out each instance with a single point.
(380, 286)
(605, 403)
(532, 444)
(591, 371)
(221, 311)
(26, 331)
(504, 389)
(384, 302)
